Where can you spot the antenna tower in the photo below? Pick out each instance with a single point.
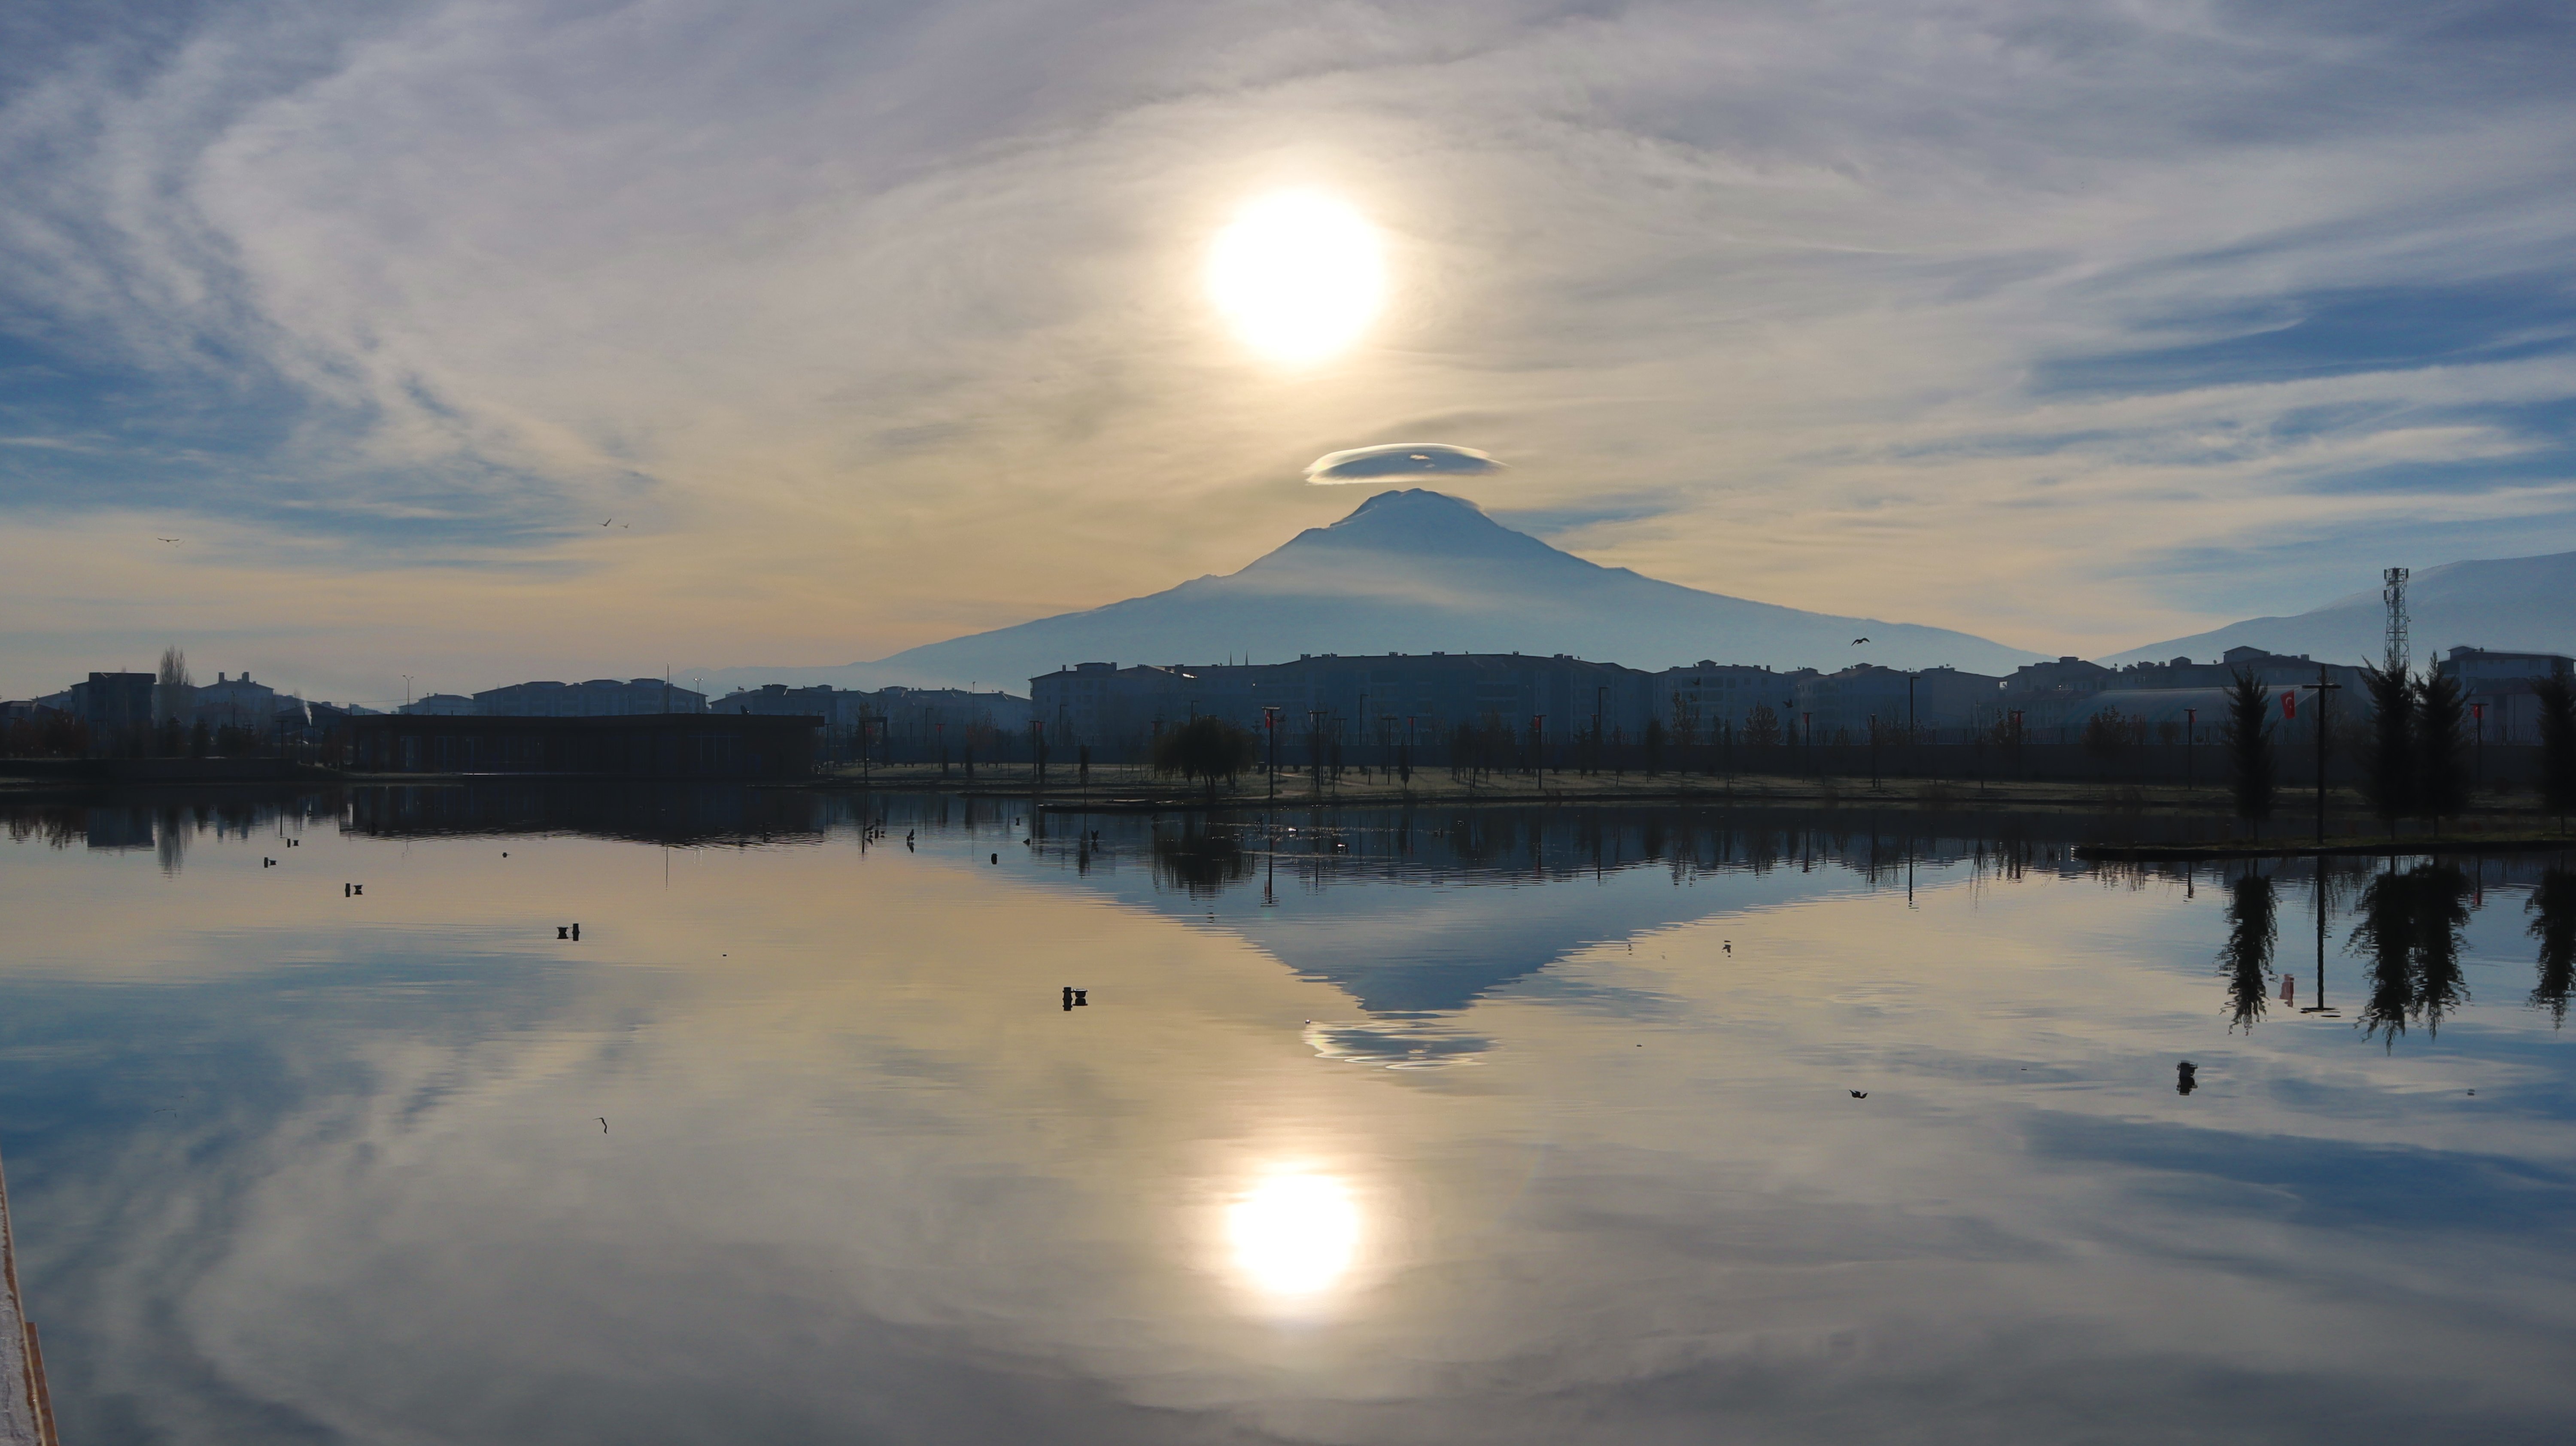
(2393, 589)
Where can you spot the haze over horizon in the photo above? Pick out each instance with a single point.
(480, 343)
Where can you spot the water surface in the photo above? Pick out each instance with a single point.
(1496, 1126)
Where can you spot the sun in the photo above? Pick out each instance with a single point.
(1298, 275)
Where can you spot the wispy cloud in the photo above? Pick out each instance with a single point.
(2069, 324)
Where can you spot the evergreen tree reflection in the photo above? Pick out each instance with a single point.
(2410, 934)
(2247, 957)
(2554, 902)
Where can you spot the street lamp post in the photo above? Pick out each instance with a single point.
(1270, 725)
(2190, 744)
(2321, 688)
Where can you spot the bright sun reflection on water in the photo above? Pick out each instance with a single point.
(1298, 275)
(1294, 1234)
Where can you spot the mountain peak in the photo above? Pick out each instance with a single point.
(1419, 522)
(1420, 501)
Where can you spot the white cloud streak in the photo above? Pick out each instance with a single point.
(888, 320)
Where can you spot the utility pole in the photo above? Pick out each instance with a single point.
(2321, 688)
(1270, 725)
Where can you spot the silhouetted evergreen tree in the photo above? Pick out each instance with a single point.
(2554, 905)
(2557, 746)
(2388, 764)
(2441, 747)
(2248, 741)
(2247, 959)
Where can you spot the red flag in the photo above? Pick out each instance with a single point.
(2289, 705)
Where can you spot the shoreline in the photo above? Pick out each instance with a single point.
(2504, 820)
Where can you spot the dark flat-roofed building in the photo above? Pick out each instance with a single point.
(643, 745)
(597, 698)
(2501, 688)
(113, 703)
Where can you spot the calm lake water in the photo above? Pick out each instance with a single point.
(1495, 1126)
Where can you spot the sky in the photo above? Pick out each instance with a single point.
(464, 343)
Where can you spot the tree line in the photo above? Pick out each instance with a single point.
(2415, 753)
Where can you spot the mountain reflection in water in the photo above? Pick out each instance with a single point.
(1510, 1125)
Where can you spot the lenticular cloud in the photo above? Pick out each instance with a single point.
(1398, 459)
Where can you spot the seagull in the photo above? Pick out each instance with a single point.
(164, 539)
(1856, 642)
(1860, 1094)
(603, 1123)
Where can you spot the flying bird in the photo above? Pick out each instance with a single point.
(603, 1123)
(1856, 642)
(165, 539)
(1860, 1094)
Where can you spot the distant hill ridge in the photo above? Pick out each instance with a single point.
(1414, 571)
(2511, 604)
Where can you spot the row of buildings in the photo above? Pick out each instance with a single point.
(899, 709)
(1382, 699)
(1378, 699)
(115, 706)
